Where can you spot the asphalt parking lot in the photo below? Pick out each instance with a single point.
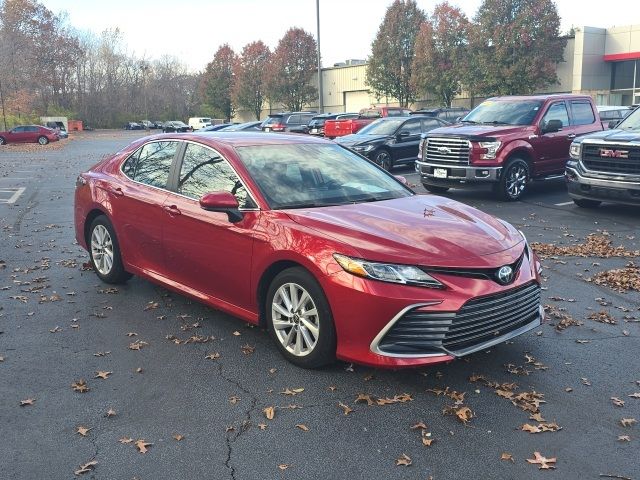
(195, 386)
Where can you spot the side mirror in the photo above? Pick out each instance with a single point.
(613, 123)
(552, 126)
(222, 202)
(401, 179)
(457, 120)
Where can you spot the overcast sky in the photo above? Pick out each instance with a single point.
(194, 29)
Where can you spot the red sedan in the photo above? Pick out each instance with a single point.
(333, 255)
(29, 134)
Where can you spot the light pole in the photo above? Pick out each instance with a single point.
(4, 116)
(320, 101)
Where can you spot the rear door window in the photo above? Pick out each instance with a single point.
(411, 126)
(153, 164)
(429, 124)
(294, 119)
(582, 113)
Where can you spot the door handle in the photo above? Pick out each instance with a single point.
(571, 135)
(117, 191)
(172, 210)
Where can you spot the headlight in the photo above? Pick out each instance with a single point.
(363, 148)
(574, 151)
(492, 150)
(385, 272)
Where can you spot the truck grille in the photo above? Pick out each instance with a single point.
(453, 151)
(479, 321)
(593, 159)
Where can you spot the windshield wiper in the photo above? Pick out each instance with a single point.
(286, 206)
(467, 121)
(495, 122)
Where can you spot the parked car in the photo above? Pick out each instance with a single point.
(244, 127)
(29, 134)
(316, 125)
(391, 141)
(196, 123)
(331, 254)
(215, 128)
(146, 124)
(610, 116)
(449, 115)
(295, 122)
(506, 142)
(157, 124)
(175, 126)
(605, 166)
(133, 126)
(341, 127)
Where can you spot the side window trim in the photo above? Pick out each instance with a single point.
(567, 110)
(137, 152)
(175, 174)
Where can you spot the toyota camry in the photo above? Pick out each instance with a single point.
(334, 256)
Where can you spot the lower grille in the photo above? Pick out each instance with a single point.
(479, 321)
(593, 159)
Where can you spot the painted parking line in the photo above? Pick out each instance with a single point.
(563, 204)
(13, 194)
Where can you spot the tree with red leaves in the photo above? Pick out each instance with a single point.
(390, 65)
(217, 81)
(291, 68)
(250, 68)
(441, 53)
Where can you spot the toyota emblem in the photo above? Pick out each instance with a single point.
(505, 275)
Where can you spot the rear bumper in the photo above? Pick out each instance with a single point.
(614, 189)
(456, 174)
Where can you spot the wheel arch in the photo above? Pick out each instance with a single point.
(523, 153)
(91, 216)
(265, 281)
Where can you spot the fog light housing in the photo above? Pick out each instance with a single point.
(482, 173)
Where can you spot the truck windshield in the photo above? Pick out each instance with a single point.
(382, 127)
(632, 122)
(505, 112)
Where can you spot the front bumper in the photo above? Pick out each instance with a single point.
(601, 187)
(456, 174)
(366, 311)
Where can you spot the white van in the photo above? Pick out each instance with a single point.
(199, 122)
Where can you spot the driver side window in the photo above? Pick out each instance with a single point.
(557, 111)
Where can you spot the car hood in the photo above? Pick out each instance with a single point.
(422, 230)
(359, 139)
(618, 135)
(472, 132)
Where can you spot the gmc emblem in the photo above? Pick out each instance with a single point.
(604, 152)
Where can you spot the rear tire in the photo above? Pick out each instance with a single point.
(2, 141)
(104, 251)
(43, 140)
(434, 188)
(586, 203)
(299, 319)
(513, 181)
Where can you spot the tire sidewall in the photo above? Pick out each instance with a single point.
(502, 186)
(43, 140)
(2, 141)
(381, 162)
(324, 351)
(117, 273)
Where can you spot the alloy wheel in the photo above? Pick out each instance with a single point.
(102, 249)
(516, 180)
(42, 140)
(295, 319)
(384, 160)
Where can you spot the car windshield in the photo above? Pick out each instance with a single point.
(504, 112)
(631, 122)
(381, 127)
(317, 175)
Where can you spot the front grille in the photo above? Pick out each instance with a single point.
(479, 321)
(594, 161)
(454, 151)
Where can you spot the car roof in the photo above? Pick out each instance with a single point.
(559, 96)
(609, 108)
(245, 139)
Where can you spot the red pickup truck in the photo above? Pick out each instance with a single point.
(506, 142)
(339, 128)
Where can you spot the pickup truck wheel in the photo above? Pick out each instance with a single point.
(383, 158)
(513, 181)
(434, 188)
(586, 203)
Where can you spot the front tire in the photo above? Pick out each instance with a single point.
(513, 181)
(586, 203)
(299, 319)
(383, 158)
(43, 140)
(104, 251)
(435, 189)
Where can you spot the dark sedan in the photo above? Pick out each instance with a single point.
(391, 141)
(175, 126)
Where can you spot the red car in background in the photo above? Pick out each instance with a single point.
(341, 127)
(330, 253)
(29, 134)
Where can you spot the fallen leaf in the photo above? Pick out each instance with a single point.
(247, 349)
(332, 388)
(177, 437)
(80, 386)
(27, 402)
(110, 413)
(302, 427)
(426, 439)
(273, 370)
(284, 466)
(418, 426)
(236, 333)
(634, 395)
(141, 445)
(139, 370)
(103, 375)
(262, 426)
(82, 431)
(618, 402)
(234, 399)
(87, 467)
(464, 414)
(292, 392)
(403, 460)
(544, 463)
(541, 427)
(56, 329)
(132, 334)
(269, 412)
(126, 440)
(507, 456)
(345, 408)
(137, 345)
(212, 356)
(627, 422)
(363, 398)
(624, 438)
